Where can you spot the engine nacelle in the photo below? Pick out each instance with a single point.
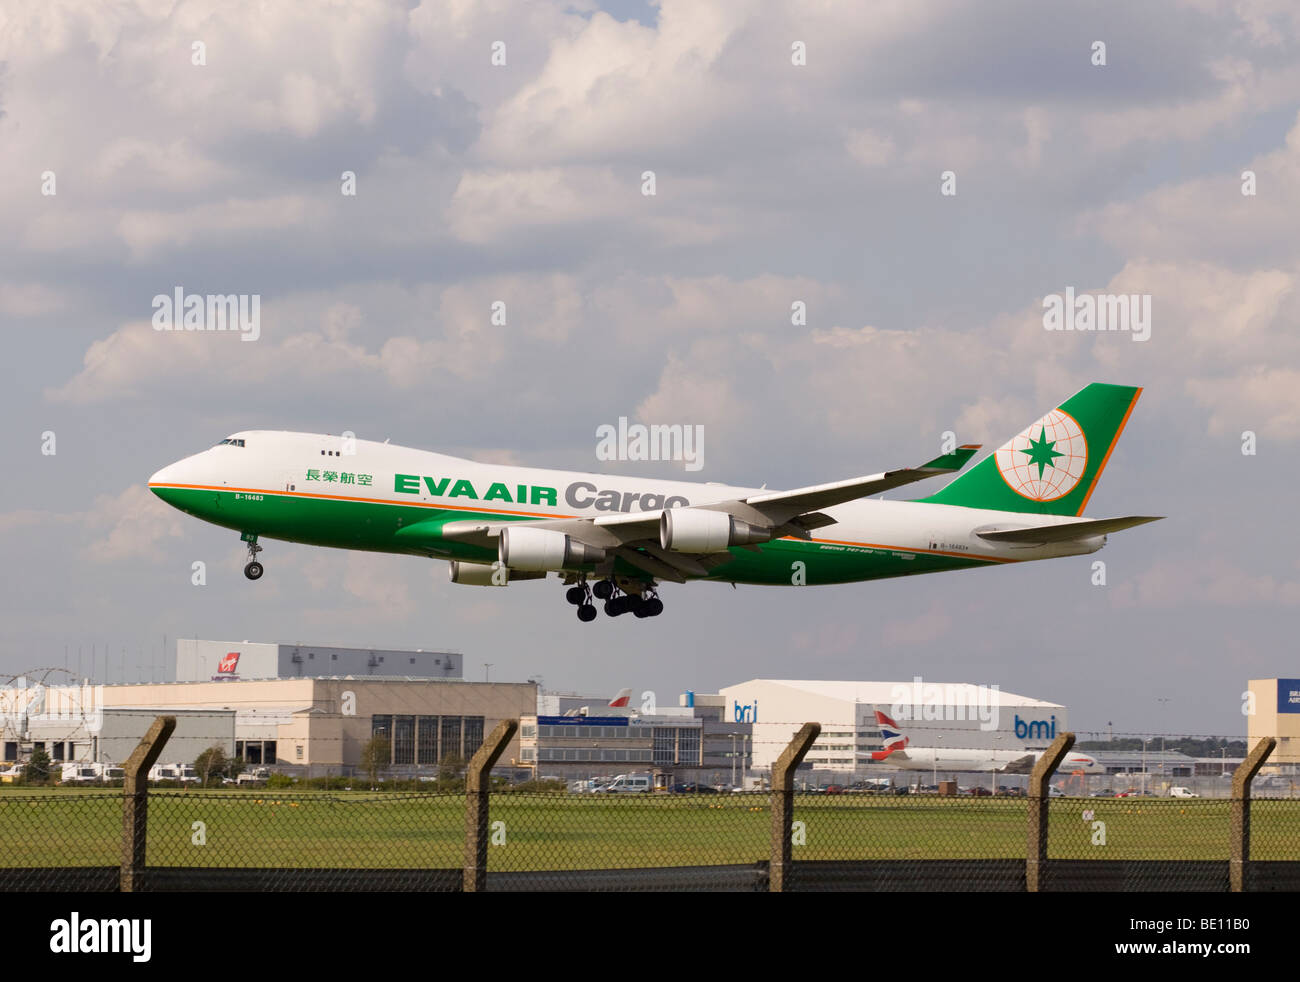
(690, 530)
(478, 574)
(542, 550)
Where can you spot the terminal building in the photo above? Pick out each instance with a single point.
(580, 737)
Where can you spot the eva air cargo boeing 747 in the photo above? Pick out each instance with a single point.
(618, 538)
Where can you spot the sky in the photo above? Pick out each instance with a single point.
(799, 154)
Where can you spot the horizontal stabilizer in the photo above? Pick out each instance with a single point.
(1066, 531)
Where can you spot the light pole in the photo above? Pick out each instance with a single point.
(733, 760)
(1164, 701)
(487, 671)
(1144, 764)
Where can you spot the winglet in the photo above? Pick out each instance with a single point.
(954, 461)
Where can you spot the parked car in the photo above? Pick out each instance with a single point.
(980, 792)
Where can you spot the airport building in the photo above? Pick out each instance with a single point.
(258, 702)
(108, 735)
(951, 715)
(220, 661)
(582, 737)
(1276, 705)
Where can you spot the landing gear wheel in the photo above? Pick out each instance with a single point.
(604, 589)
(576, 595)
(254, 569)
(642, 608)
(617, 605)
(654, 607)
(587, 613)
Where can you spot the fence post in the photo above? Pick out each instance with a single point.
(135, 801)
(476, 804)
(1039, 799)
(1241, 778)
(783, 803)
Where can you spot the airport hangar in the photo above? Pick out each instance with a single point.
(288, 713)
(953, 715)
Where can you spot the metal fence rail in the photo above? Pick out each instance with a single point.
(265, 840)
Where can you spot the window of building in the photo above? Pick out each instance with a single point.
(528, 730)
(297, 751)
(403, 739)
(688, 746)
(473, 734)
(450, 745)
(665, 745)
(426, 740)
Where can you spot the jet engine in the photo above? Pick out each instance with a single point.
(691, 530)
(541, 550)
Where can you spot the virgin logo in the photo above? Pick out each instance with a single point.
(227, 665)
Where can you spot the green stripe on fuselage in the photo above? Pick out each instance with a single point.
(374, 527)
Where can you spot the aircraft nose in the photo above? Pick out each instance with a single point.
(164, 483)
(166, 475)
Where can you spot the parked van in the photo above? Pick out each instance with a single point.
(173, 772)
(79, 773)
(258, 775)
(1182, 793)
(642, 783)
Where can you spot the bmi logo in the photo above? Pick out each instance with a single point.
(228, 664)
(1045, 460)
(1035, 729)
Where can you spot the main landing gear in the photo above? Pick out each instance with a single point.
(254, 569)
(640, 600)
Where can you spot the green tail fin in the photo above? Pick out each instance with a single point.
(1051, 466)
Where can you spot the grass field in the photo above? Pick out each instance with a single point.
(556, 831)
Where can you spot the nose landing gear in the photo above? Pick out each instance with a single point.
(253, 570)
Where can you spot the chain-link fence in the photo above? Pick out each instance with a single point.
(868, 839)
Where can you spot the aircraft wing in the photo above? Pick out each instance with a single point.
(778, 507)
(635, 537)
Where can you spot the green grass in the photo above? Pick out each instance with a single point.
(393, 830)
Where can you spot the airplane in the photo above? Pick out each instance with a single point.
(895, 748)
(616, 538)
(619, 702)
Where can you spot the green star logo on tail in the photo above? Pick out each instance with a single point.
(1042, 452)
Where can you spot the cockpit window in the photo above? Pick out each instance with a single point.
(231, 441)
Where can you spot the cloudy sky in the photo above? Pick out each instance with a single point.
(775, 182)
